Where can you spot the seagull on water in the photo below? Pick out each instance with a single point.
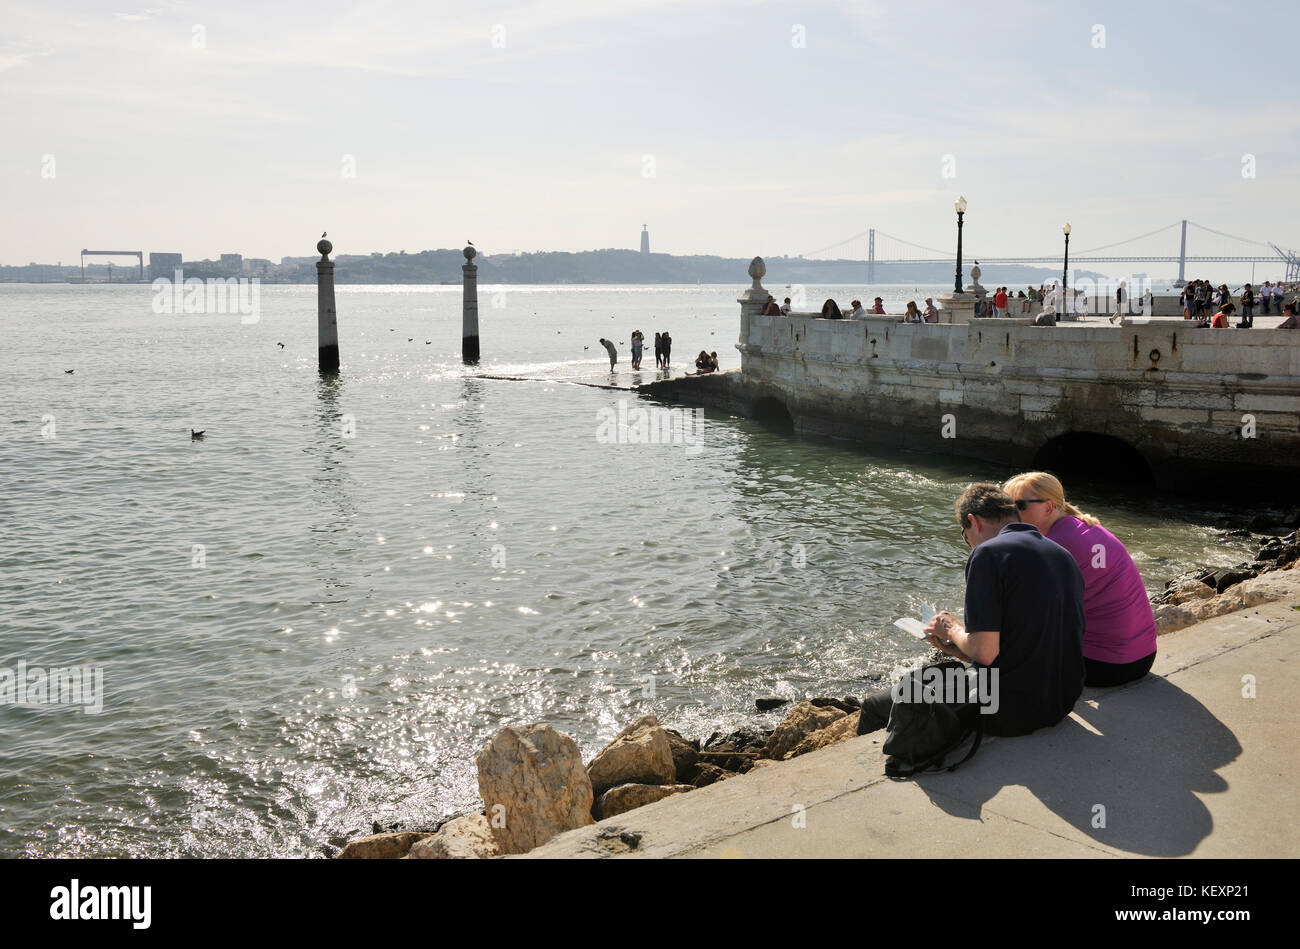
(195, 436)
(281, 345)
(69, 371)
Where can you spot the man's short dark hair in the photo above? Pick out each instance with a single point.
(987, 501)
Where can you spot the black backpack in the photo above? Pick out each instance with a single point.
(921, 735)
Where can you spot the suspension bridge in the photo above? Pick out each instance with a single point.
(901, 251)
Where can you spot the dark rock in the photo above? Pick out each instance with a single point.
(1228, 576)
(709, 774)
(767, 704)
(686, 755)
(744, 739)
(1237, 532)
(844, 707)
(1270, 550)
(852, 702)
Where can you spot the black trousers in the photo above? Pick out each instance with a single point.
(876, 706)
(1106, 674)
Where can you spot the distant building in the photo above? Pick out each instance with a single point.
(645, 239)
(163, 265)
(232, 263)
(257, 266)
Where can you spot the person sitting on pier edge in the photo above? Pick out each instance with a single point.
(1220, 321)
(1024, 618)
(785, 307)
(1290, 322)
(1119, 639)
(857, 312)
(770, 308)
(713, 361)
(1024, 301)
(878, 307)
(704, 364)
(831, 311)
(931, 312)
(913, 315)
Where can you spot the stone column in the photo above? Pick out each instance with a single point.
(327, 323)
(469, 311)
(957, 307)
(754, 299)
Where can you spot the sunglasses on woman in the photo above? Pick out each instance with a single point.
(1025, 502)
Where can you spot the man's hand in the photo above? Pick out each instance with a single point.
(941, 626)
(940, 633)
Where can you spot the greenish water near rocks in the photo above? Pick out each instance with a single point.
(314, 617)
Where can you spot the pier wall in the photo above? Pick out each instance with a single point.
(1208, 411)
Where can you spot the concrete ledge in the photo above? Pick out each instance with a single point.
(1180, 764)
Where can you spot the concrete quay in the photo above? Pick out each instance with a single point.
(1198, 759)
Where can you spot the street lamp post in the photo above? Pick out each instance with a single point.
(1065, 276)
(1065, 273)
(960, 205)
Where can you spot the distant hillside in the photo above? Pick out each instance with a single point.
(585, 267)
(630, 267)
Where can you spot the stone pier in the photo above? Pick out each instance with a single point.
(1209, 412)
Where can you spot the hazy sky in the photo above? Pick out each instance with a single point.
(735, 128)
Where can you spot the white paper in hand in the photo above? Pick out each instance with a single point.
(915, 627)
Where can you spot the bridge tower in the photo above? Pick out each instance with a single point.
(1182, 258)
(871, 256)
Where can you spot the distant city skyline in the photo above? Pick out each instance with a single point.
(735, 129)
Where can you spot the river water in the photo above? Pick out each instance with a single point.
(314, 617)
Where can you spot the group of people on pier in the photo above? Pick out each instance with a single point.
(1053, 602)
(1199, 297)
(663, 349)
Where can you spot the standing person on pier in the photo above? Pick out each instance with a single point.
(1000, 303)
(638, 343)
(659, 351)
(1247, 308)
(1119, 302)
(668, 348)
(931, 312)
(612, 350)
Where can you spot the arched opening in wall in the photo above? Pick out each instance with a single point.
(1097, 459)
(773, 415)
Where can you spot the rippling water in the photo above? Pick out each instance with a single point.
(370, 609)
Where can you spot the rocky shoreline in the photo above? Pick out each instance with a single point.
(534, 784)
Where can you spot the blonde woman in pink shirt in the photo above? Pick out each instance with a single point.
(1119, 638)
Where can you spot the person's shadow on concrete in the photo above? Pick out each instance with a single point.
(1129, 787)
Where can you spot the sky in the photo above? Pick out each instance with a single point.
(734, 128)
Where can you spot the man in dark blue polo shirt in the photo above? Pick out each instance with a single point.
(1024, 622)
(1024, 614)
